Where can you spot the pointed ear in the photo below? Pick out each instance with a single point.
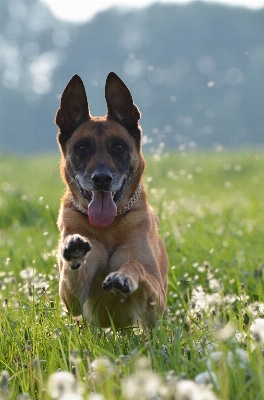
(73, 109)
(120, 105)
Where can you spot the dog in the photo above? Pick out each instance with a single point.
(112, 261)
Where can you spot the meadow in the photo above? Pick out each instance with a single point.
(210, 343)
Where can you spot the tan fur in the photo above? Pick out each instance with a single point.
(129, 246)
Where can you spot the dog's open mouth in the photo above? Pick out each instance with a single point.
(102, 207)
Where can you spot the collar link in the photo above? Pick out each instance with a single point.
(131, 202)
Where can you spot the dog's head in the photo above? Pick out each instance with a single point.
(102, 162)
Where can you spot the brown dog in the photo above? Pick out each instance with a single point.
(113, 264)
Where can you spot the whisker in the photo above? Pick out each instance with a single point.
(71, 181)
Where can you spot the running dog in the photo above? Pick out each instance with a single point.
(113, 264)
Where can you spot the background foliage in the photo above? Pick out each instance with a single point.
(195, 71)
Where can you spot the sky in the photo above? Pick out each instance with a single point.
(83, 10)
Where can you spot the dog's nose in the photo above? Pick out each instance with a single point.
(102, 180)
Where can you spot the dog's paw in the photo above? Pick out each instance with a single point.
(74, 249)
(119, 282)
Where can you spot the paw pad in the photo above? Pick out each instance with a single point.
(75, 247)
(117, 283)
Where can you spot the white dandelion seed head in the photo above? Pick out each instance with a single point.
(257, 330)
(240, 337)
(256, 309)
(96, 396)
(210, 346)
(142, 363)
(189, 390)
(101, 368)
(237, 358)
(230, 298)
(101, 364)
(226, 332)
(23, 396)
(202, 301)
(214, 360)
(71, 396)
(27, 273)
(60, 383)
(74, 357)
(4, 378)
(215, 284)
(142, 385)
(206, 378)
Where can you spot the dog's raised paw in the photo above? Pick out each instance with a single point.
(75, 247)
(118, 283)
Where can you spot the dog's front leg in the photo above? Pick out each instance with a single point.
(73, 286)
(148, 291)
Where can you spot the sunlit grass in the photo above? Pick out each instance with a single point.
(211, 211)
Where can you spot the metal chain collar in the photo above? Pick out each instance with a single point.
(131, 202)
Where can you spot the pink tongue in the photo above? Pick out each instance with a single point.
(102, 209)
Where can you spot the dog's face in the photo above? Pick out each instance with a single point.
(101, 156)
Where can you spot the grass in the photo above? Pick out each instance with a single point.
(211, 209)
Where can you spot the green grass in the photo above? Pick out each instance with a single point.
(211, 211)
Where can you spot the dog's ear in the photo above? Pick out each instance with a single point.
(120, 105)
(73, 109)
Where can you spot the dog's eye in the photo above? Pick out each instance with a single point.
(82, 148)
(119, 147)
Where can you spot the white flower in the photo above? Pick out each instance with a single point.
(27, 273)
(238, 357)
(230, 298)
(61, 383)
(142, 385)
(257, 330)
(71, 396)
(74, 358)
(215, 285)
(256, 309)
(95, 396)
(4, 378)
(23, 396)
(215, 359)
(210, 346)
(202, 300)
(101, 368)
(142, 363)
(189, 390)
(240, 337)
(226, 332)
(206, 378)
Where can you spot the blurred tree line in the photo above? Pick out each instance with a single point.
(195, 71)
